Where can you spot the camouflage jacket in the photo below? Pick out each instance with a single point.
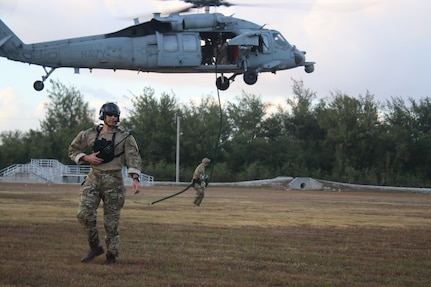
(126, 149)
(199, 173)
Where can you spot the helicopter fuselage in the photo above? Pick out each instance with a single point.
(201, 43)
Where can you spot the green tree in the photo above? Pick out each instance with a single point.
(303, 131)
(247, 145)
(351, 125)
(398, 126)
(154, 126)
(420, 151)
(13, 149)
(346, 139)
(408, 137)
(204, 131)
(66, 114)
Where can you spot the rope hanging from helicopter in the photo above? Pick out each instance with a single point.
(216, 147)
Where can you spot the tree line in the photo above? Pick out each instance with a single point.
(342, 138)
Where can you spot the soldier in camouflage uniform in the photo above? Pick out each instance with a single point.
(107, 148)
(200, 181)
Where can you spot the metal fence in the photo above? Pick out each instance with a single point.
(52, 171)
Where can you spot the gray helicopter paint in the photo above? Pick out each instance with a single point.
(170, 44)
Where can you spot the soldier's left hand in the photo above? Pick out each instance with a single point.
(135, 186)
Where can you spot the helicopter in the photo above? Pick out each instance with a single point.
(177, 43)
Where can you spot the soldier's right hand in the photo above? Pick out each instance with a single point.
(93, 159)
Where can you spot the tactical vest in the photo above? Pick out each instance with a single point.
(106, 148)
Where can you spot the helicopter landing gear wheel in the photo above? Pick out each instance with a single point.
(38, 86)
(250, 77)
(222, 83)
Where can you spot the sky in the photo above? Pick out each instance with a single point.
(359, 46)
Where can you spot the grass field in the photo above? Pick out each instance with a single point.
(238, 237)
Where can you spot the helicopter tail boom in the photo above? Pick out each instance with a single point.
(9, 43)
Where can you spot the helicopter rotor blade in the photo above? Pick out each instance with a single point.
(136, 17)
(184, 9)
(196, 4)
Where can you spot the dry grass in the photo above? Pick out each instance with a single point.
(238, 237)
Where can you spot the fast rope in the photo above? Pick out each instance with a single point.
(214, 157)
(216, 147)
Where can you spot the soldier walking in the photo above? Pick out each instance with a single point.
(107, 148)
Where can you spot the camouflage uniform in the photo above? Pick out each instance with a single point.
(199, 181)
(105, 182)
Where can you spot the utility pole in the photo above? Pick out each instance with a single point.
(177, 177)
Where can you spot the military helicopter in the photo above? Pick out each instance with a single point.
(177, 43)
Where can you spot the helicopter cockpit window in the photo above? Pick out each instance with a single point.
(170, 43)
(279, 40)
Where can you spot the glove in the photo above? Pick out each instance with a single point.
(206, 180)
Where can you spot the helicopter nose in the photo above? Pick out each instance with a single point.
(299, 57)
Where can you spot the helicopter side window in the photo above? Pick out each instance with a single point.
(190, 43)
(265, 44)
(279, 40)
(170, 43)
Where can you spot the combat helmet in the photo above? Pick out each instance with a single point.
(109, 108)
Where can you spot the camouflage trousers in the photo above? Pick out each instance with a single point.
(106, 186)
(200, 192)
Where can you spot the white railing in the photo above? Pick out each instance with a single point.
(51, 170)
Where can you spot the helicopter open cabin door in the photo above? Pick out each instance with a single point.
(179, 49)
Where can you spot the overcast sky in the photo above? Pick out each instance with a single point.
(380, 46)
